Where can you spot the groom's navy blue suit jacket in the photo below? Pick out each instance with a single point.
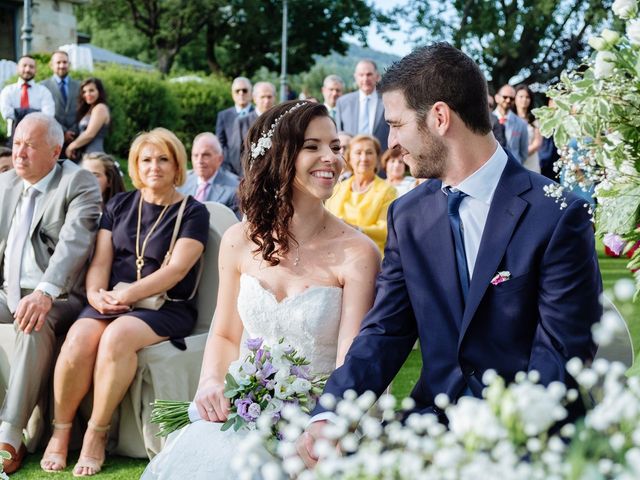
(537, 320)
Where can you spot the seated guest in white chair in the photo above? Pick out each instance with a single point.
(48, 223)
(135, 262)
(207, 182)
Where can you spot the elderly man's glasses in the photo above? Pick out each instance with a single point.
(507, 97)
(241, 90)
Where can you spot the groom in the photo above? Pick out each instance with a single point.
(480, 266)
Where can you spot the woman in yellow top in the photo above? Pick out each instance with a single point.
(362, 200)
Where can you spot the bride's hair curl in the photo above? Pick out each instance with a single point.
(270, 168)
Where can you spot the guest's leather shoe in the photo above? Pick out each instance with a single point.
(15, 463)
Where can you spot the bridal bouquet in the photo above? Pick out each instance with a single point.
(596, 126)
(260, 385)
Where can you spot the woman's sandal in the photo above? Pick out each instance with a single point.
(93, 464)
(55, 458)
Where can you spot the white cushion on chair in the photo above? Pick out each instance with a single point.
(164, 372)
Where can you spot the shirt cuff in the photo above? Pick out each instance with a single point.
(49, 288)
(324, 416)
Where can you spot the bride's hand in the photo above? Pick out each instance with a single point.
(212, 405)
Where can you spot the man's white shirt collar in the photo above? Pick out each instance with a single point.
(42, 184)
(482, 183)
(363, 95)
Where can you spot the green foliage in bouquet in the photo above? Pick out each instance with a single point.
(4, 455)
(598, 108)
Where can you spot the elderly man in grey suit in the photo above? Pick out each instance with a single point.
(362, 112)
(48, 223)
(241, 93)
(515, 129)
(207, 182)
(64, 90)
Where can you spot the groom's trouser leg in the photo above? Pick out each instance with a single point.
(32, 362)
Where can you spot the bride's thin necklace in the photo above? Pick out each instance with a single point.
(322, 226)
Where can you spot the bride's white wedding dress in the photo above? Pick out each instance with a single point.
(309, 321)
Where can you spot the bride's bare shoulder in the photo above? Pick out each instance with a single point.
(354, 244)
(235, 238)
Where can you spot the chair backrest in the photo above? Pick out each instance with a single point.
(621, 348)
(220, 218)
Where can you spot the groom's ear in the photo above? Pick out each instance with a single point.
(439, 118)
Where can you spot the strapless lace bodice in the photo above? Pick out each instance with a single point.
(309, 321)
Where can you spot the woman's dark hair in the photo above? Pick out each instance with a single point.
(530, 117)
(267, 188)
(441, 73)
(84, 107)
(115, 184)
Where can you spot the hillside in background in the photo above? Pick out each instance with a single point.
(345, 65)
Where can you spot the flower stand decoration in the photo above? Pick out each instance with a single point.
(596, 124)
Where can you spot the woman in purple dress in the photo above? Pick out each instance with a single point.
(128, 266)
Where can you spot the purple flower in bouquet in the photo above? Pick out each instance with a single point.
(259, 355)
(614, 242)
(268, 369)
(254, 411)
(254, 344)
(301, 371)
(243, 408)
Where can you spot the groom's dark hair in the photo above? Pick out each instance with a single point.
(441, 73)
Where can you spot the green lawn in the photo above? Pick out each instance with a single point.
(120, 468)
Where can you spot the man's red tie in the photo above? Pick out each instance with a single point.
(502, 120)
(24, 96)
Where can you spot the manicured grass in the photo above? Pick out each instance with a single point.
(115, 468)
(121, 468)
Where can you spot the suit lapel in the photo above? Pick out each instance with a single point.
(379, 117)
(504, 214)
(10, 198)
(47, 198)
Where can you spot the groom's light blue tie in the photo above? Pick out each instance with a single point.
(454, 198)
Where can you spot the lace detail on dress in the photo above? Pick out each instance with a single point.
(309, 321)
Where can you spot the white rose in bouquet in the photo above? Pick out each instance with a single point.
(604, 64)
(624, 8)
(633, 31)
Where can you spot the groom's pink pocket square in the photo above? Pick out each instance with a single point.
(501, 277)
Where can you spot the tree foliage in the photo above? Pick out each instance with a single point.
(532, 39)
(236, 37)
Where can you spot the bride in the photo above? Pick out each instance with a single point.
(291, 270)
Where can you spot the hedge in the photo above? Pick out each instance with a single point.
(142, 100)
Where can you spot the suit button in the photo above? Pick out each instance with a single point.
(468, 371)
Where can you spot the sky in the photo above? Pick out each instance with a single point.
(400, 47)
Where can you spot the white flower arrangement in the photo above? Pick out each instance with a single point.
(512, 433)
(596, 126)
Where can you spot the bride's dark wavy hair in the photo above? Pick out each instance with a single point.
(267, 188)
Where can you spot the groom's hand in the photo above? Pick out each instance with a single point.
(305, 445)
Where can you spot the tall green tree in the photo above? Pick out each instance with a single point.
(237, 37)
(532, 39)
(166, 25)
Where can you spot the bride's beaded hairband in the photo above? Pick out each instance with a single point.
(264, 143)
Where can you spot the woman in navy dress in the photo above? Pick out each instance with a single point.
(135, 234)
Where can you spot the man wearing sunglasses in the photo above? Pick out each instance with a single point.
(515, 128)
(241, 93)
